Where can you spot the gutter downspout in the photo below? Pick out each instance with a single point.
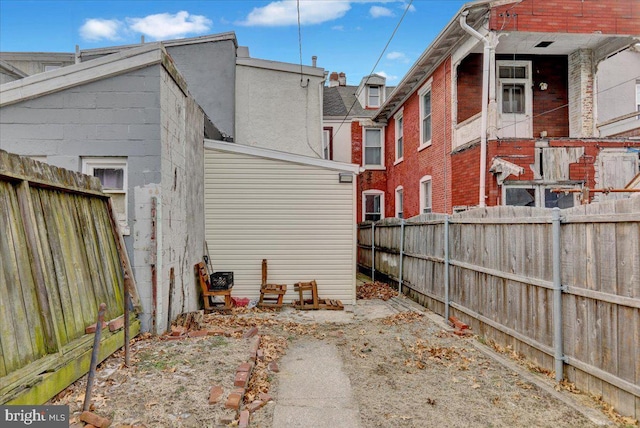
(486, 56)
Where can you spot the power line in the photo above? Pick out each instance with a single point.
(376, 64)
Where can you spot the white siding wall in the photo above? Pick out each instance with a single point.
(298, 217)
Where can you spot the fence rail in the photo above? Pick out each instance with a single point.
(560, 287)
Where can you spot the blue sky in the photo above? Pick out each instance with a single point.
(346, 36)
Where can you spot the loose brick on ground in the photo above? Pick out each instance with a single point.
(265, 397)
(245, 367)
(273, 366)
(242, 379)
(93, 419)
(250, 333)
(178, 331)
(244, 419)
(92, 328)
(216, 394)
(255, 406)
(198, 333)
(233, 401)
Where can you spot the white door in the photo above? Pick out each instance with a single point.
(515, 99)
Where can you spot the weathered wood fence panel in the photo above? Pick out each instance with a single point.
(501, 282)
(58, 261)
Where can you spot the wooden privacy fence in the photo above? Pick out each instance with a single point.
(560, 287)
(59, 260)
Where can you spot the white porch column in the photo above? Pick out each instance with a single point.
(581, 90)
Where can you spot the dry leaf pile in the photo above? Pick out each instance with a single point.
(402, 318)
(273, 347)
(375, 290)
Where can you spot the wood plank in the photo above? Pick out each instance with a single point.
(49, 268)
(26, 283)
(73, 323)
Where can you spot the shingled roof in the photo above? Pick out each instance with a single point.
(338, 100)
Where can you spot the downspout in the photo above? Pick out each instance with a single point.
(486, 56)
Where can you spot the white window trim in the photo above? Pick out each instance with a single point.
(521, 120)
(421, 92)
(364, 202)
(539, 190)
(326, 143)
(90, 163)
(638, 98)
(364, 149)
(399, 115)
(380, 90)
(399, 192)
(422, 193)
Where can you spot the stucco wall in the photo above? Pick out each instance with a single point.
(210, 72)
(274, 111)
(341, 139)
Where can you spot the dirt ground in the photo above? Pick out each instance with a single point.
(405, 370)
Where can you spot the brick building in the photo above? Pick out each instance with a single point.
(507, 96)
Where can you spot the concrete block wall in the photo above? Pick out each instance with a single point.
(181, 229)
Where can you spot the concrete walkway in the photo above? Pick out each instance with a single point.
(313, 390)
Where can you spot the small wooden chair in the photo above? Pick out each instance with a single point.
(312, 303)
(207, 292)
(271, 295)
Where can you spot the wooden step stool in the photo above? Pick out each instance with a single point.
(271, 295)
(207, 292)
(312, 303)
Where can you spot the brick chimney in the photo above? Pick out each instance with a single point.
(333, 79)
(342, 79)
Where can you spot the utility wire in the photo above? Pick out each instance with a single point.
(300, 42)
(376, 64)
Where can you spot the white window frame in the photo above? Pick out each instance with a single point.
(516, 125)
(423, 195)
(426, 88)
(399, 135)
(326, 144)
(399, 202)
(364, 149)
(364, 202)
(89, 164)
(539, 192)
(379, 88)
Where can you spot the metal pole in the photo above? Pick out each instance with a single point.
(557, 296)
(127, 321)
(94, 356)
(373, 252)
(446, 267)
(401, 255)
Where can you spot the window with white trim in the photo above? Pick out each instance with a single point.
(372, 205)
(373, 148)
(373, 96)
(112, 172)
(399, 202)
(425, 194)
(425, 116)
(399, 136)
(327, 143)
(537, 195)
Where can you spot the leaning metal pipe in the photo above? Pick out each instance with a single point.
(401, 255)
(94, 356)
(446, 267)
(485, 100)
(557, 296)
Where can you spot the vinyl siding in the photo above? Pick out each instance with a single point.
(298, 217)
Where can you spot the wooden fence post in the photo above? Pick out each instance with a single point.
(401, 255)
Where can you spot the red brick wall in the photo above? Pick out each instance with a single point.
(433, 160)
(369, 179)
(465, 165)
(469, 87)
(568, 16)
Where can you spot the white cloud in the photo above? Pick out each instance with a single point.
(404, 5)
(166, 25)
(338, 28)
(390, 78)
(379, 11)
(397, 56)
(95, 29)
(279, 13)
